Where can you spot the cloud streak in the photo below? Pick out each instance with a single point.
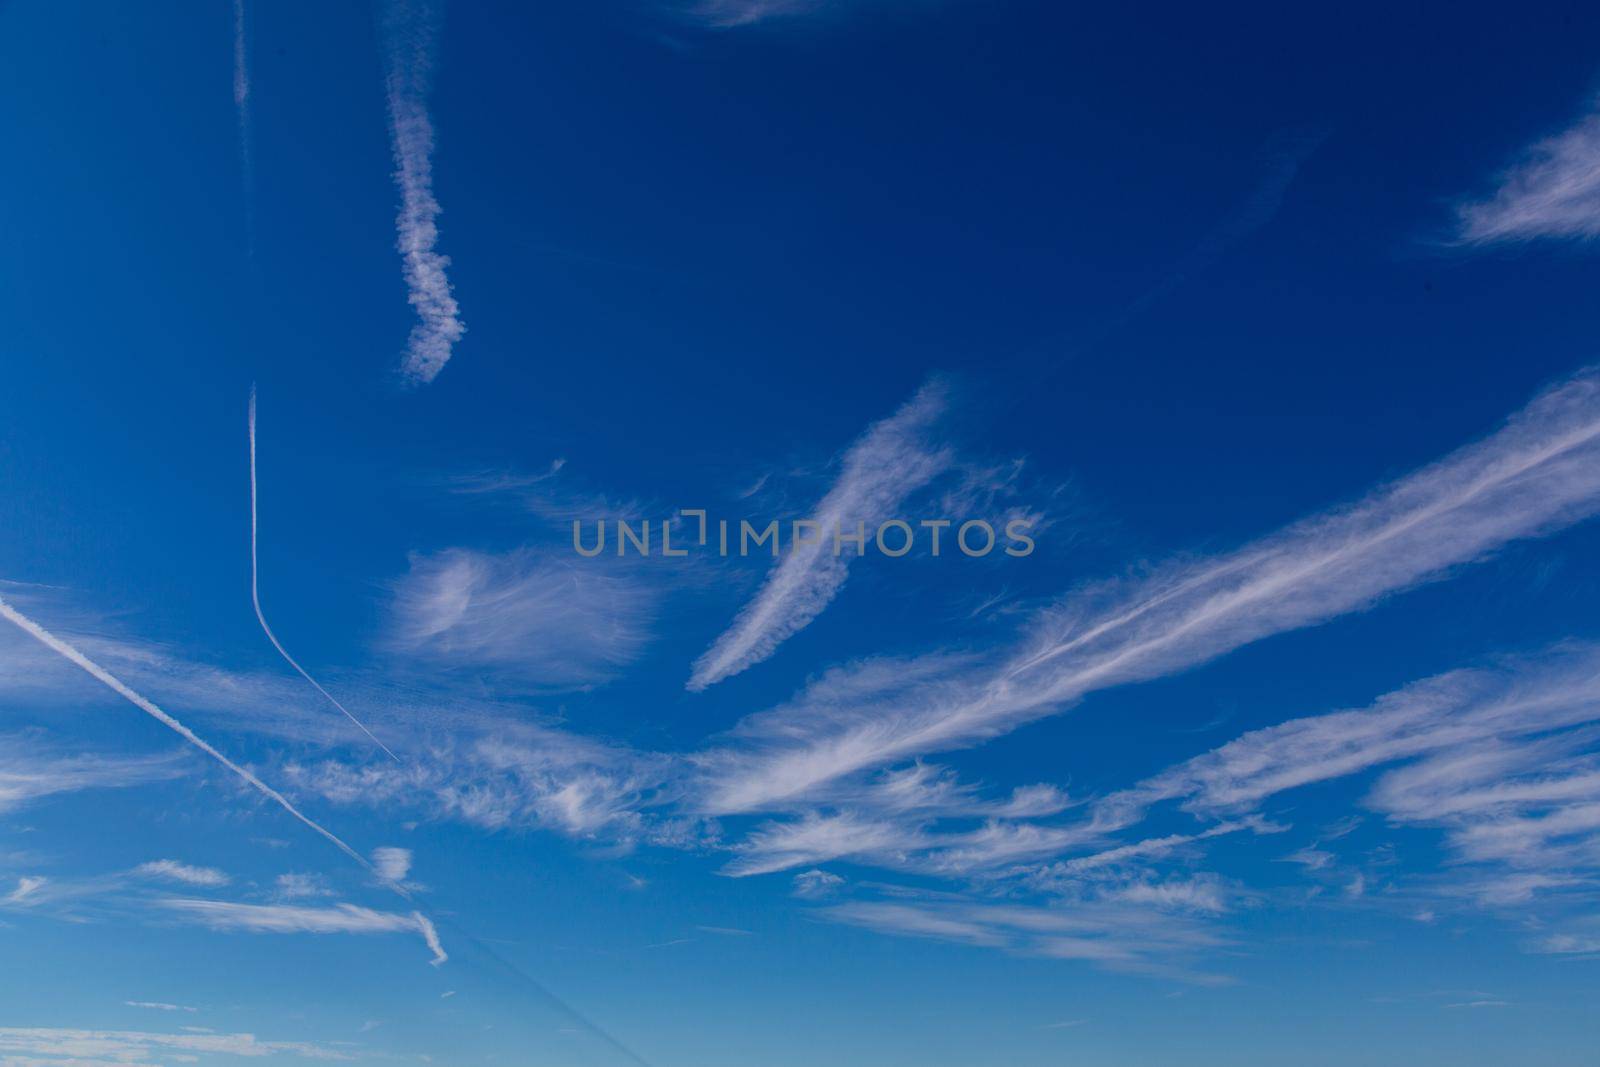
(409, 30)
(893, 459)
(297, 919)
(1552, 191)
(27, 774)
(532, 619)
(241, 106)
(1537, 474)
(110, 1048)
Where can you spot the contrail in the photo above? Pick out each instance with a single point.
(60, 647)
(241, 104)
(255, 594)
(409, 29)
(423, 923)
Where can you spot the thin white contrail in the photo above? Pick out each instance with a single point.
(255, 594)
(55, 644)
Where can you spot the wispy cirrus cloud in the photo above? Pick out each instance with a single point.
(43, 1046)
(173, 871)
(542, 621)
(74, 656)
(1504, 761)
(299, 919)
(30, 771)
(517, 775)
(25, 892)
(1537, 474)
(727, 14)
(1109, 933)
(393, 864)
(157, 1005)
(1551, 191)
(893, 459)
(409, 30)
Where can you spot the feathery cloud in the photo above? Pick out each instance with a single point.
(25, 891)
(173, 871)
(1552, 191)
(125, 1048)
(28, 772)
(1537, 474)
(893, 459)
(410, 29)
(536, 620)
(298, 919)
(156, 1005)
(393, 864)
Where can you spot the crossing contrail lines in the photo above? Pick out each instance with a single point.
(112, 682)
(255, 595)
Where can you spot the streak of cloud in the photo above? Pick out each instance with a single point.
(298, 919)
(241, 106)
(1551, 191)
(409, 30)
(893, 459)
(1538, 474)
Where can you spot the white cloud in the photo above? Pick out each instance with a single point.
(1538, 474)
(1110, 934)
(518, 775)
(25, 892)
(409, 29)
(298, 919)
(545, 621)
(29, 772)
(814, 884)
(893, 459)
(299, 886)
(393, 864)
(1552, 191)
(173, 871)
(727, 14)
(156, 1005)
(130, 1048)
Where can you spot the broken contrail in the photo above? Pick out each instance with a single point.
(255, 594)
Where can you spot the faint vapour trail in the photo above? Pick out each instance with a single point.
(241, 104)
(255, 594)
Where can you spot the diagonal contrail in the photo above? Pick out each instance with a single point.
(424, 924)
(55, 644)
(255, 594)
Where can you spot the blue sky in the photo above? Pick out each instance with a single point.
(1273, 332)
